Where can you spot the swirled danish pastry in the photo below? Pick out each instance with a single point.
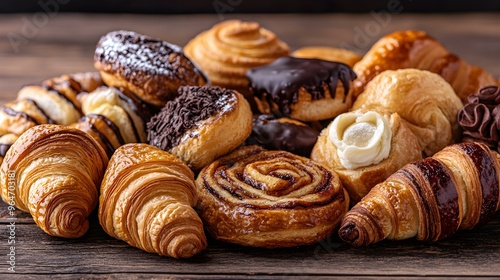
(270, 199)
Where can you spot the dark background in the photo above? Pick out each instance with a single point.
(244, 6)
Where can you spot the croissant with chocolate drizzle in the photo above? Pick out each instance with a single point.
(430, 199)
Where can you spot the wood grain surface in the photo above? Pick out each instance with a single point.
(31, 51)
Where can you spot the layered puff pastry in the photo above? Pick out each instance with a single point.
(146, 200)
(416, 49)
(113, 118)
(364, 148)
(54, 172)
(270, 199)
(430, 199)
(202, 124)
(423, 99)
(151, 69)
(230, 48)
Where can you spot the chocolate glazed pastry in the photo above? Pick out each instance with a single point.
(202, 124)
(150, 68)
(480, 117)
(303, 89)
(113, 118)
(269, 199)
(283, 134)
(457, 188)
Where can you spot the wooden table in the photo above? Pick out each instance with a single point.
(32, 49)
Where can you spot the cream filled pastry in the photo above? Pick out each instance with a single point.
(202, 124)
(361, 139)
(364, 148)
(302, 89)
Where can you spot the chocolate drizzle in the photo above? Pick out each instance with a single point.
(63, 96)
(280, 134)
(279, 82)
(47, 117)
(4, 148)
(194, 104)
(480, 117)
(11, 112)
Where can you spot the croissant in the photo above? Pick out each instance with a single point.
(113, 118)
(53, 172)
(146, 200)
(430, 199)
(416, 49)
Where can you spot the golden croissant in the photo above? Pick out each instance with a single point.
(53, 172)
(416, 49)
(146, 200)
(430, 199)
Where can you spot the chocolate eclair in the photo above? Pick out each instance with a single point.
(201, 124)
(285, 134)
(150, 68)
(302, 89)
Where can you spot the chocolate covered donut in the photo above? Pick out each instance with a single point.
(150, 68)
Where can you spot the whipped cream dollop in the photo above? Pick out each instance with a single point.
(361, 139)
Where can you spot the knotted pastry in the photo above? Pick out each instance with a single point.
(416, 49)
(424, 99)
(328, 53)
(229, 49)
(430, 199)
(149, 68)
(53, 172)
(364, 148)
(52, 102)
(480, 117)
(302, 89)
(270, 199)
(202, 124)
(146, 200)
(113, 118)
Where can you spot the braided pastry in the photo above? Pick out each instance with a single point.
(261, 198)
(457, 188)
(53, 172)
(146, 200)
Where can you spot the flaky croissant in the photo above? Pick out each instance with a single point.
(416, 49)
(457, 188)
(113, 118)
(53, 172)
(146, 200)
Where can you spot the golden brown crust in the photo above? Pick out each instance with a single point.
(269, 199)
(328, 53)
(227, 50)
(149, 68)
(424, 99)
(146, 200)
(429, 199)
(359, 181)
(416, 49)
(53, 172)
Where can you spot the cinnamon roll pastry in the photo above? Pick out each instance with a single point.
(202, 124)
(229, 49)
(284, 134)
(53, 172)
(113, 118)
(416, 49)
(147, 199)
(430, 199)
(328, 53)
(52, 102)
(364, 148)
(261, 198)
(424, 99)
(480, 117)
(302, 89)
(150, 68)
